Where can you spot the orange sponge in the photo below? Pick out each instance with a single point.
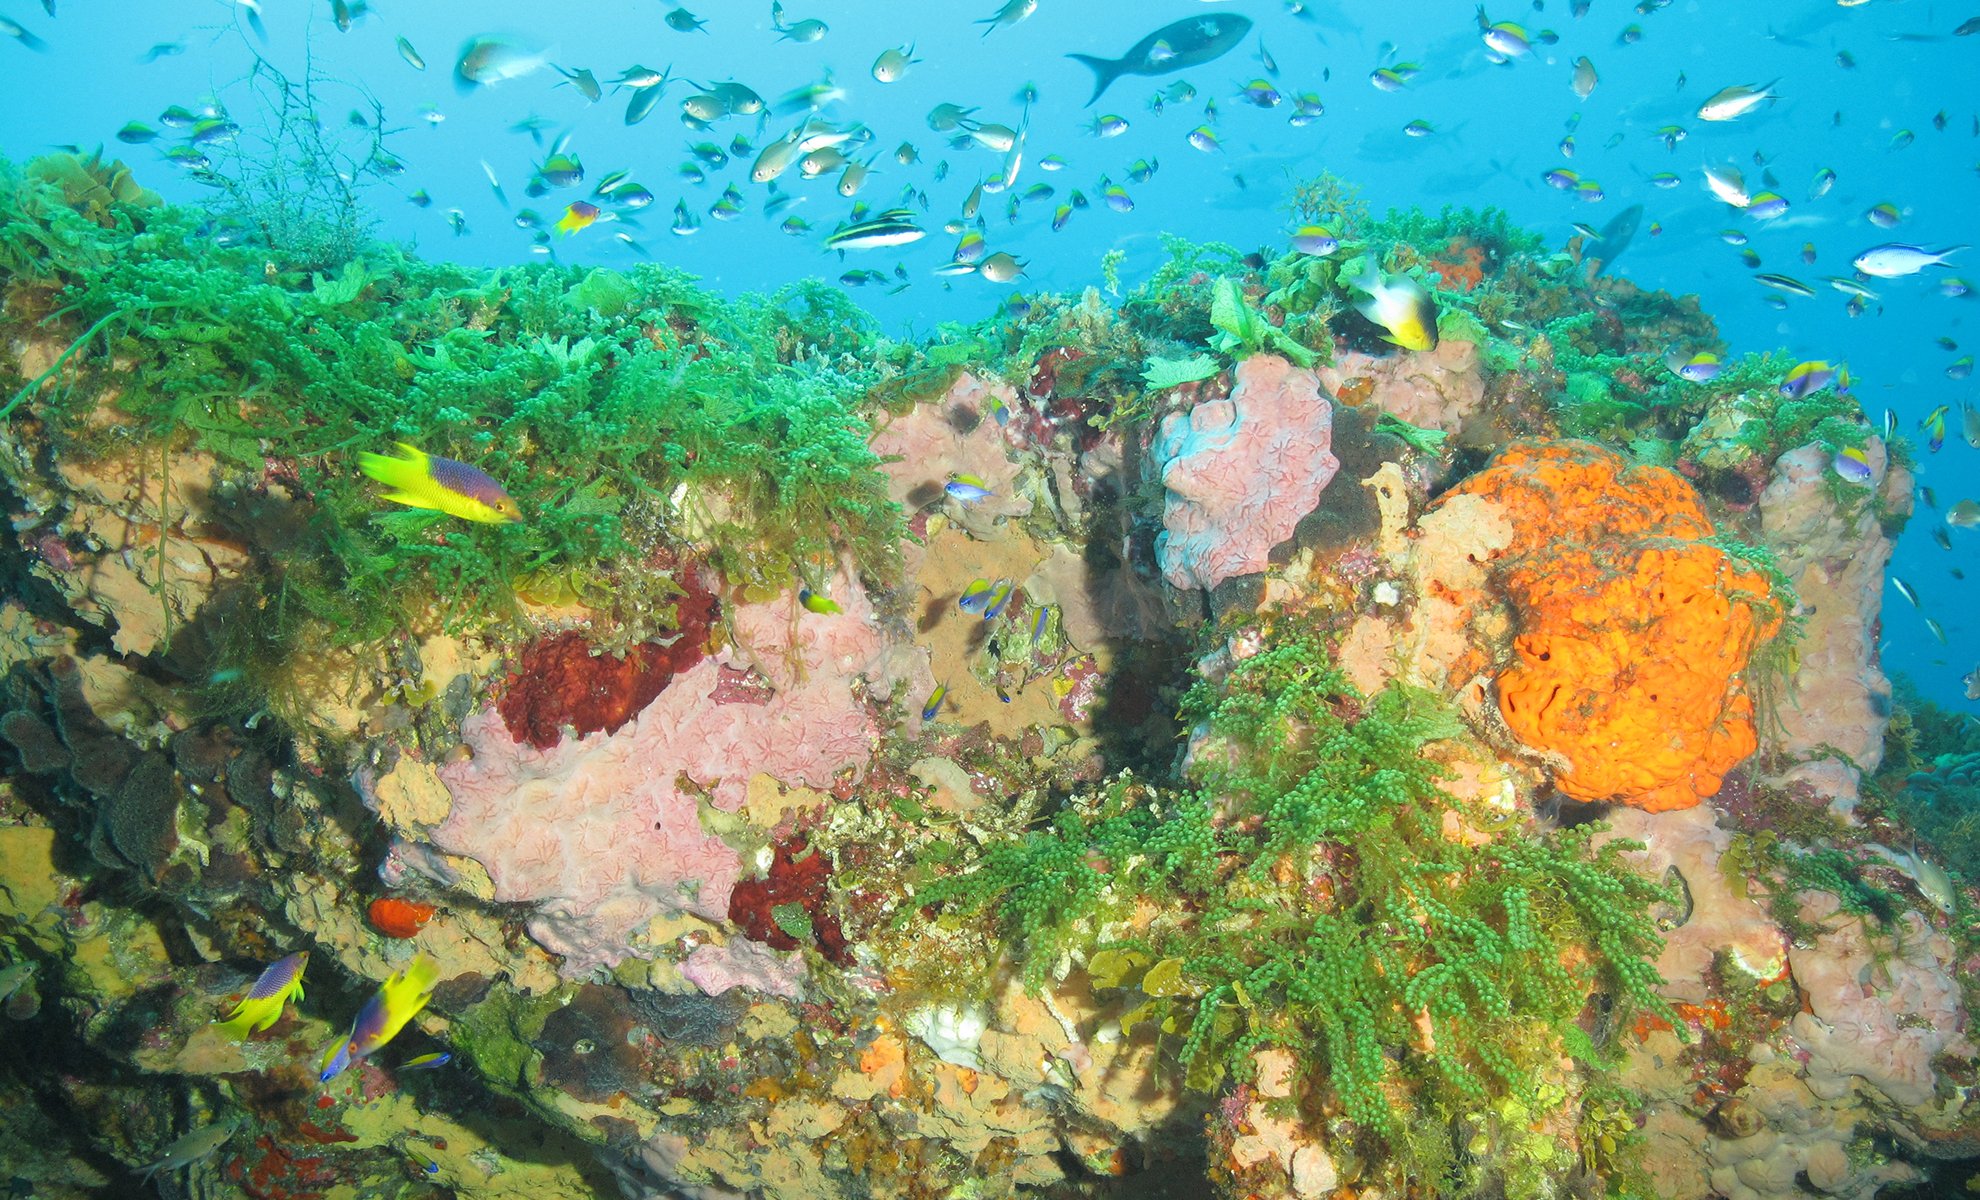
(1633, 632)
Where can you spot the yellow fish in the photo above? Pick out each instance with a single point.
(263, 1004)
(813, 602)
(578, 216)
(398, 1001)
(1399, 305)
(422, 480)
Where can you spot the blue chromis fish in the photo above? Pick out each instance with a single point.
(999, 599)
(1399, 305)
(1316, 240)
(1852, 464)
(976, 597)
(1765, 206)
(397, 1001)
(262, 1006)
(967, 488)
(1701, 367)
(1807, 377)
(421, 480)
(934, 704)
(815, 603)
(1934, 426)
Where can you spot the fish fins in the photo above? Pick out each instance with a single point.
(1105, 72)
(1369, 279)
(1366, 282)
(252, 1016)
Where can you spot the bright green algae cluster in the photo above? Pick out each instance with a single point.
(1457, 1005)
(616, 408)
(1307, 895)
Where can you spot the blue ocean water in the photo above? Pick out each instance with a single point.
(1879, 92)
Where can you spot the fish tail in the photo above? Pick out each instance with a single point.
(1370, 277)
(408, 474)
(1105, 71)
(251, 1016)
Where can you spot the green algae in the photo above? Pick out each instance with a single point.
(629, 414)
(1306, 897)
(497, 1033)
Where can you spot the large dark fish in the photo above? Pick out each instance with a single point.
(1175, 47)
(1614, 238)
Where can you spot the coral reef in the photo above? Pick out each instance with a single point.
(1828, 721)
(758, 852)
(1241, 471)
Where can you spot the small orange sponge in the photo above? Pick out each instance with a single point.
(1633, 632)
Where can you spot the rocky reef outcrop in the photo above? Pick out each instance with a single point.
(1181, 746)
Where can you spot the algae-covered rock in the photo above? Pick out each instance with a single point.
(1006, 762)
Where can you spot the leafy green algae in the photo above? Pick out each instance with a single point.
(634, 417)
(1307, 896)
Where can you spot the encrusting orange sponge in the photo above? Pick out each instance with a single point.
(1633, 633)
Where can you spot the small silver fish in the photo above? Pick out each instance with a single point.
(195, 1146)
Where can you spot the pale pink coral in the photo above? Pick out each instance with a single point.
(1881, 1007)
(1241, 472)
(603, 833)
(743, 963)
(1831, 719)
(786, 642)
(1439, 390)
(958, 434)
(1691, 840)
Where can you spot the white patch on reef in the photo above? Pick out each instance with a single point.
(952, 1033)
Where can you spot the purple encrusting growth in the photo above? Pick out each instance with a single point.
(460, 478)
(279, 976)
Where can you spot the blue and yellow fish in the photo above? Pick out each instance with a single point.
(968, 488)
(813, 602)
(397, 1001)
(1806, 378)
(977, 595)
(999, 598)
(271, 993)
(422, 480)
(1934, 426)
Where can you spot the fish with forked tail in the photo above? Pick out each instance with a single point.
(1174, 47)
